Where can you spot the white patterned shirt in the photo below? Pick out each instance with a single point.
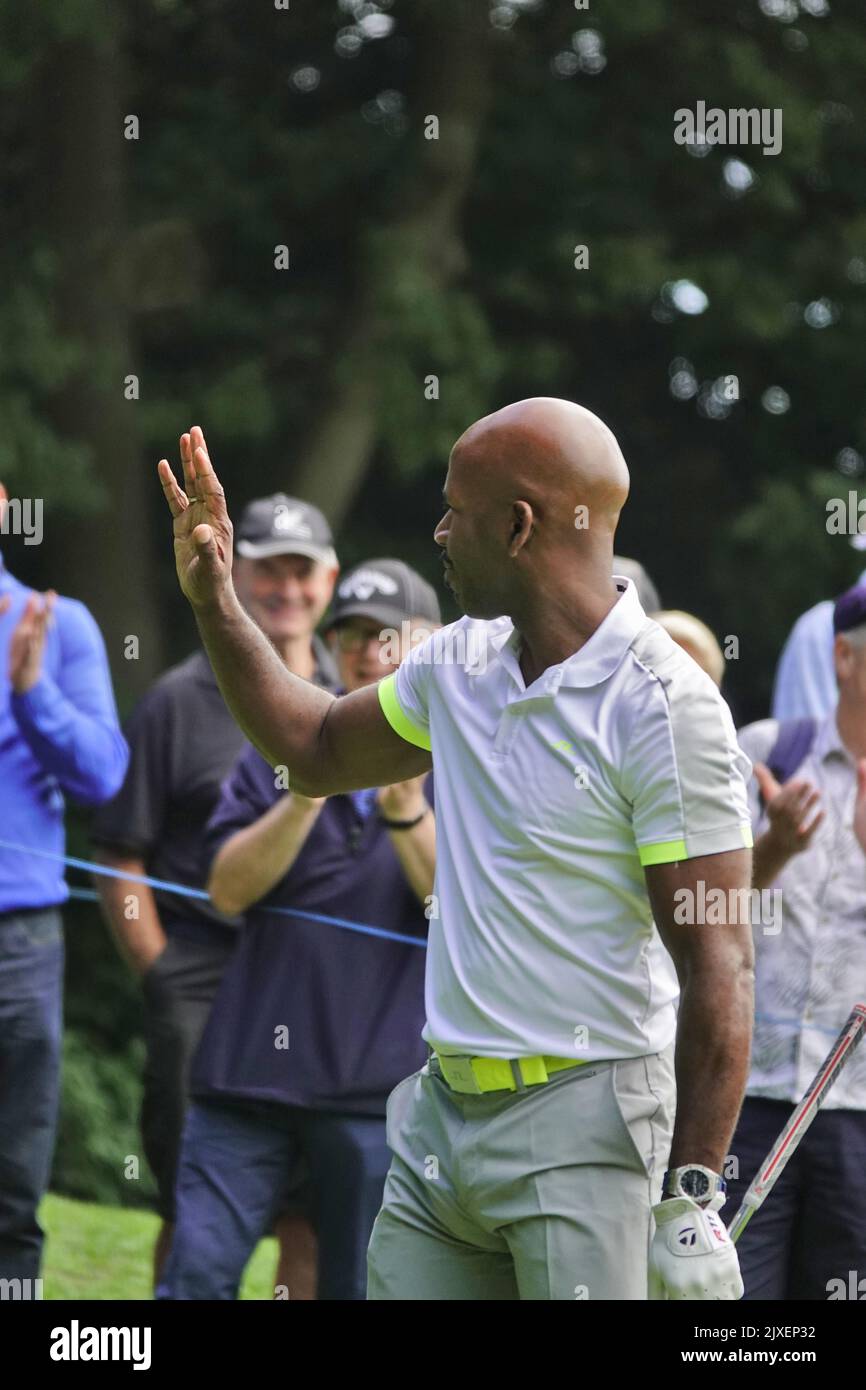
(811, 971)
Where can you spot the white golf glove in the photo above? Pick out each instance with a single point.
(692, 1255)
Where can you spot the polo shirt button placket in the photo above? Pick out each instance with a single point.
(506, 730)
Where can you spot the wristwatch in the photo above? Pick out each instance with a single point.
(701, 1184)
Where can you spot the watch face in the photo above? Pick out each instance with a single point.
(694, 1183)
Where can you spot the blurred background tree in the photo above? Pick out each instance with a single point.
(158, 153)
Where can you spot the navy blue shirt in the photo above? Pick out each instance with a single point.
(62, 738)
(184, 741)
(353, 1005)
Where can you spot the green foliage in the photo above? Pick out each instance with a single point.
(103, 1061)
(98, 1130)
(37, 361)
(240, 158)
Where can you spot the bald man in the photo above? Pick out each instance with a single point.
(590, 790)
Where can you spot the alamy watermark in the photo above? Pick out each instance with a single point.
(854, 1289)
(846, 516)
(77, 1343)
(20, 1290)
(450, 646)
(715, 907)
(737, 126)
(22, 516)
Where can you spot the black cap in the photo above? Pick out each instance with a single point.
(386, 591)
(282, 525)
(849, 610)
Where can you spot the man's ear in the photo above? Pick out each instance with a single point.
(521, 526)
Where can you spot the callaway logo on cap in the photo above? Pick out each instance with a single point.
(364, 582)
(386, 591)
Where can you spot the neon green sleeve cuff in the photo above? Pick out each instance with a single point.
(393, 712)
(670, 851)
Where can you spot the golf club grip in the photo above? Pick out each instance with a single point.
(790, 1137)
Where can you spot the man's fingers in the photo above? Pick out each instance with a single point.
(807, 803)
(42, 616)
(204, 467)
(767, 783)
(805, 832)
(795, 798)
(205, 473)
(206, 546)
(208, 486)
(187, 464)
(861, 779)
(175, 497)
(28, 615)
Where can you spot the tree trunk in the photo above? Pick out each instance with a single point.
(105, 557)
(419, 232)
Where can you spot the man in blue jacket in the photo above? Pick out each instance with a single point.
(59, 736)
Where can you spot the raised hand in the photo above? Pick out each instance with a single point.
(202, 528)
(790, 810)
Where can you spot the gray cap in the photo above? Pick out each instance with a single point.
(282, 525)
(386, 591)
(647, 593)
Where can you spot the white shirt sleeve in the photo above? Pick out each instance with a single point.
(684, 771)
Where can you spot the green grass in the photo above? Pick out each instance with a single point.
(95, 1252)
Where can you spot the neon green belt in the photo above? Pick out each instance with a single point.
(475, 1075)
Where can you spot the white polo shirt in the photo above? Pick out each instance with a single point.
(549, 800)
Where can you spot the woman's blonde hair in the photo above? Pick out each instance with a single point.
(695, 638)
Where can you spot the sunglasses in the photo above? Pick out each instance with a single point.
(355, 639)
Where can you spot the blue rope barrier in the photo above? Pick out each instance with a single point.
(89, 895)
(103, 870)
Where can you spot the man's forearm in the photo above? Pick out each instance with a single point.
(280, 713)
(255, 859)
(416, 850)
(714, 1037)
(130, 910)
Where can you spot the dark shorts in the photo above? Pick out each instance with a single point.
(179, 989)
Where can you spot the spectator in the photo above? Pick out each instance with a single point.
(695, 638)
(313, 1025)
(805, 682)
(59, 736)
(810, 968)
(648, 594)
(183, 743)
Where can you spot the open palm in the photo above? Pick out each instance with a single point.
(202, 528)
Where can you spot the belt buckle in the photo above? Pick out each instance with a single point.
(460, 1069)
